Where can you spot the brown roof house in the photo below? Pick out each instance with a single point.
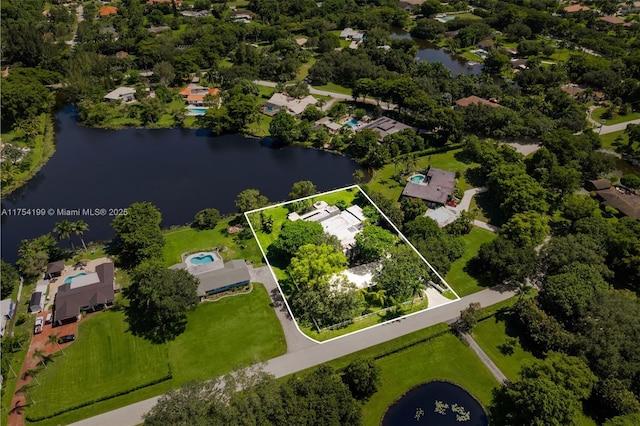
(471, 100)
(435, 187)
(576, 8)
(88, 292)
(54, 269)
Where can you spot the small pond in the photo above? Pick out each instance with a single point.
(436, 403)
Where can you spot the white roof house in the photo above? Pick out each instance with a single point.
(293, 105)
(7, 309)
(123, 94)
(343, 224)
(351, 34)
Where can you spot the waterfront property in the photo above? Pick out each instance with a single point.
(215, 275)
(352, 35)
(326, 122)
(291, 105)
(7, 309)
(195, 95)
(435, 187)
(122, 94)
(385, 126)
(85, 292)
(54, 269)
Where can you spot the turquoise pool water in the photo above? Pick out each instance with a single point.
(447, 18)
(69, 279)
(353, 122)
(197, 111)
(417, 178)
(199, 260)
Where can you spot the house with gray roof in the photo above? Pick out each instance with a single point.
(122, 94)
(385, 126)
(88, 292)
(7, 309)
(435, 189)
(235, 273)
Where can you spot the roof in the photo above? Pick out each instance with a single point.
(294, 106)
(385, 126)
(195, 98)
(6, 307)
(627, 204)
(615, 20)
(351, 33)
(234, 272)
(55, 267)
(121, 54)
(575, 8)
(470, 100)
(108, 10)
(36, 300)
(572, 89)
(599, 184)
(486, 43)
(151, 2)
(194, 89)
(85, 291)
(118, 93)
(439, 186)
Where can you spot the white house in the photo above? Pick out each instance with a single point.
(7, 309)
(122, 94)
(293, 106)
(351, 34)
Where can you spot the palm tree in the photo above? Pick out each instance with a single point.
(64, 230)
(358, 175)
(53, 340)
(31, 373)
(79, 228)
(39, 353)
(25, 390)
(416, 288)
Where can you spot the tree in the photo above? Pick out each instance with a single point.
(468, 318)
(79, 228)
(302, 189)
(549, 392)
(53, 340)
(412, 208)
(527, 229)
(42, 356)
(64, 230)
(401, 272)
(32, 372)
(165, 73)
(362, 377)
(206, 219)
(159, 300)
(9, 278)
(504, 262)
(24, 389)
(495, 62)
(283, 128)
(576, 207)
(293, 235)
(313, 264)
(36, 253)
(138, 235)
(373, 242)
(631, 181)
(612, 398)
(250, 199)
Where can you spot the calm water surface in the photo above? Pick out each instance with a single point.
(433, 53)
(180, 171)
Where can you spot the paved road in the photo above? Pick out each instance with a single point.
(604, 129)
(293, 362)
(497, 373)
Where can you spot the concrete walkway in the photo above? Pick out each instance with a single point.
(487, 226)
(497, 373)
(465, 203)
(604, 129)
(311, 356)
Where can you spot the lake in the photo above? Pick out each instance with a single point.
(433, 53)
(181, 171)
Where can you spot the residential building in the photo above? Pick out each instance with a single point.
(331, 126)
(36, 303)
(122, 94)
(574, 8)
(475, 100)
(107, 10)
(293, 106)
(385, 126)
(194, 94)
(244, 16)
(627, 202)
(178, 3)
(435, 189)
(351, 34)
(195, 13)
(344, 224)
(486, 44)
(235, 273)
(54, 269)
(88, 292)
(7, 309)
(410, 5)
(614, 20)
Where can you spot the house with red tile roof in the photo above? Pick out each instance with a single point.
(108, 10)
(470, 100)
(574, 8)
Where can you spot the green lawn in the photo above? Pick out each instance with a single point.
(191, 240)
(466, 16)
(332, 87)
(232, 332)
(457, 277)
(597, 113)
(303, 72)
(383, 181)
(609, 139)
(106, 358)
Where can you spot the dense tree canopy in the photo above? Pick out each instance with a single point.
(138, 235)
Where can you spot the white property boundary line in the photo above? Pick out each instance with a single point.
(400, 234)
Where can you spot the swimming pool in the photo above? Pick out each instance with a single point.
(352, 123)
(201, 259)
(417, 178)
(197, 111)
(69, 279)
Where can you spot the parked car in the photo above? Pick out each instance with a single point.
(49, 319)
(67, 338)
(38, 327)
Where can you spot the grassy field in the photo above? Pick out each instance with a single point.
(466, 16)
(220, 336)
(609, 139)
(457, 277)
(597, 113)
(303, 72)
(191, 240)
(332, 87)
(384, 182)
(105, 359)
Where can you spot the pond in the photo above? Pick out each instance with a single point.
(95, 172)
(433, 53)
(436, 403)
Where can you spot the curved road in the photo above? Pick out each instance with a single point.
(311, 354)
